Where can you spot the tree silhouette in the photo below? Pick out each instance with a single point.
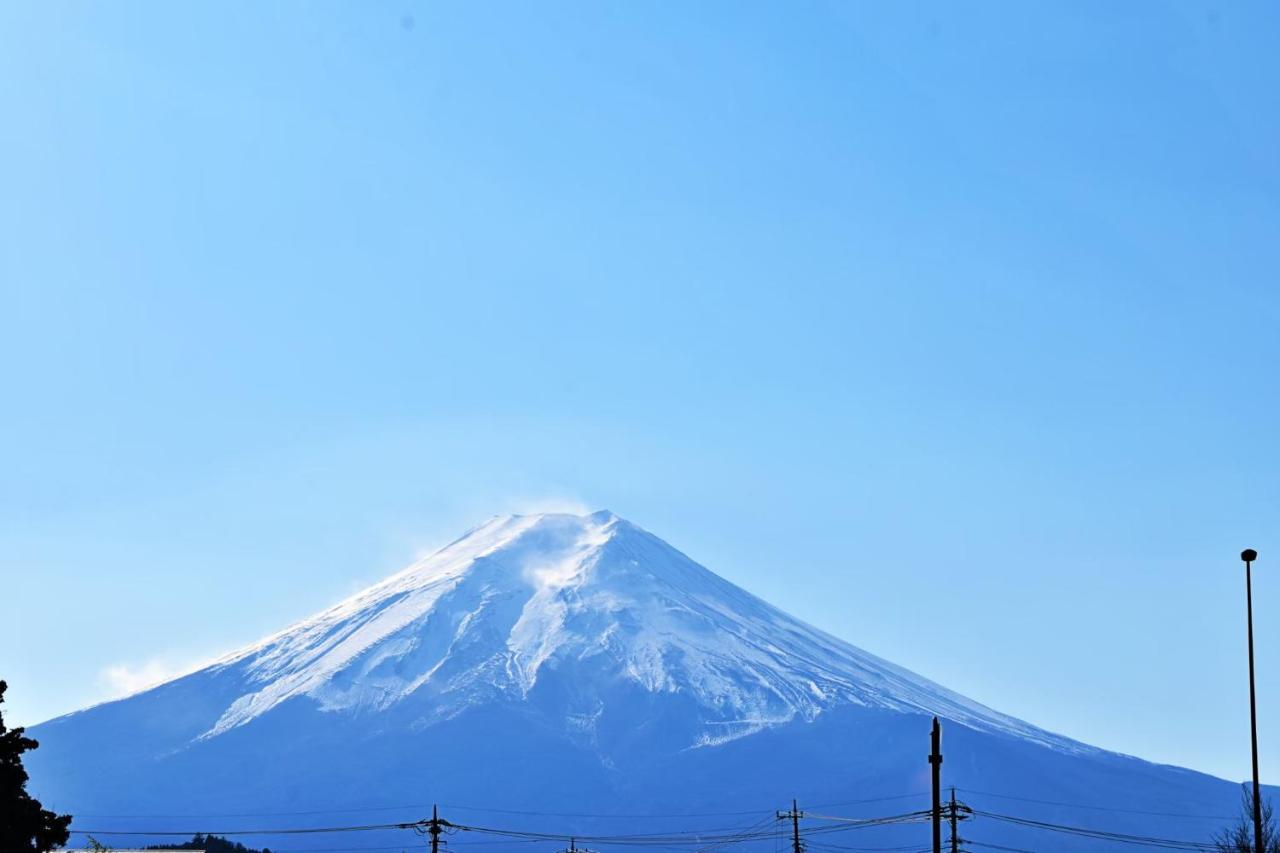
(25, 825)
(210, 844)
(1238, 838)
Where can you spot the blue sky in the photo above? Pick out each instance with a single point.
(949, 328)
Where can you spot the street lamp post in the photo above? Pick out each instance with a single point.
(1249, 555)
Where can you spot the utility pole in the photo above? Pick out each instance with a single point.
(1249, 555)
(955, 838)
(435, 828)
(935, 761)
(574, 848)
(794, 815)
(957, 812)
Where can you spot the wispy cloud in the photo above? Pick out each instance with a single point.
(125, 679)
(472, 513)
(537, 505)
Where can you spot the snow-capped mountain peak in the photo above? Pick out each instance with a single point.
(593, 602)
(553, 662)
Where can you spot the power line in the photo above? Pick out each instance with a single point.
(1101, 834)
(683, 835)
(329, 849)
(824, 845)
(420, 824)
(634, 816)
(290, 831)
(700, 838)
(697, 840)
(767, 821)
(455, 807)
(797, 846)
(415, 806)
(862, 820)
(1095, 808)
(998, 847)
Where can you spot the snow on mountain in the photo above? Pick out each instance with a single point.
(596, 597)
(563, 667)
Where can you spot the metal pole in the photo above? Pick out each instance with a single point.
(935, 759)
(1249, 555)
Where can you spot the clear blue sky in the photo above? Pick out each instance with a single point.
(949, 327)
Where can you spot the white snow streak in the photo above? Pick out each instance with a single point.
(599, 599)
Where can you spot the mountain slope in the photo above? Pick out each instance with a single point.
(550, 661)
(484, 617)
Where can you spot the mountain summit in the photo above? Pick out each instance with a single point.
(594, 604)
(568, 667)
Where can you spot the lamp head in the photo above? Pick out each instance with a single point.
(1248, 555)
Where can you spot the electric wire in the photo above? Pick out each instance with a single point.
(1105, 835)
(705, 840)
(1095, 808)
(449, 806)
(998, 846)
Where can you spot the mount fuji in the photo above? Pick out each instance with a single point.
(577, 674)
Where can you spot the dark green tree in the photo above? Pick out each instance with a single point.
(25, 825)
(1238, 838)
(210, 844)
